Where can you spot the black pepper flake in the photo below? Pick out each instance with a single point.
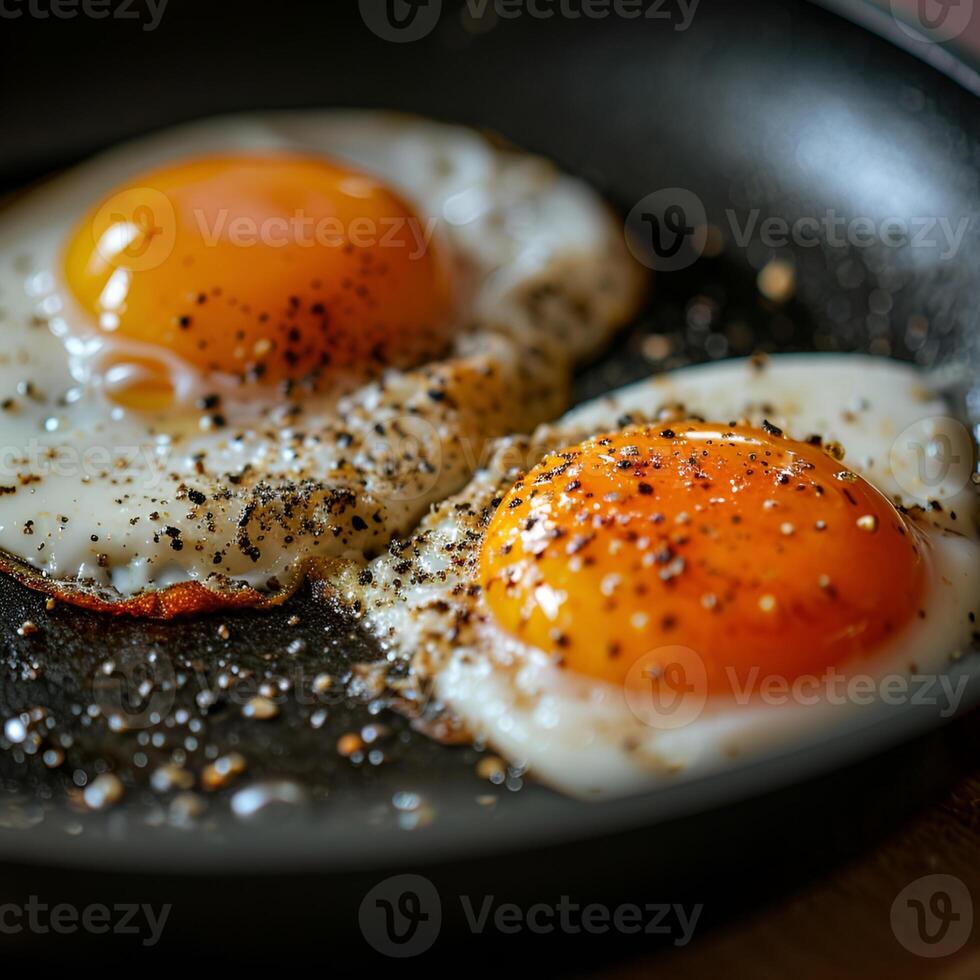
(358, 523)
(196, 497)
(577, 543)
(668, 434)
(771, 429)
(645, 489)
(209, 402)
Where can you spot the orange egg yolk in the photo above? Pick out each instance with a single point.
(757, 552)
(264, 268)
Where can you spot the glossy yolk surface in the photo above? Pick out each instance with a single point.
(265, 268)
(749, 548)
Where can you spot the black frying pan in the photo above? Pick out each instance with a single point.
(779, 106)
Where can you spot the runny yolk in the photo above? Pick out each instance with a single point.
(764, 556)
(265, 268)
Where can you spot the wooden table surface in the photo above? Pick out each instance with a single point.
(840, 925)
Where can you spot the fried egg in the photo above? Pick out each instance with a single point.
(709, 565)
(244, 347)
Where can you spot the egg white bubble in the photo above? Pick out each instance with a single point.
(581, 735)
(125, 502)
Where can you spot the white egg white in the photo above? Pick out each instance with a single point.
(582, 735)
(124, 502)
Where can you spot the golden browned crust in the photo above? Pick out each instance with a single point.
(173, 602)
